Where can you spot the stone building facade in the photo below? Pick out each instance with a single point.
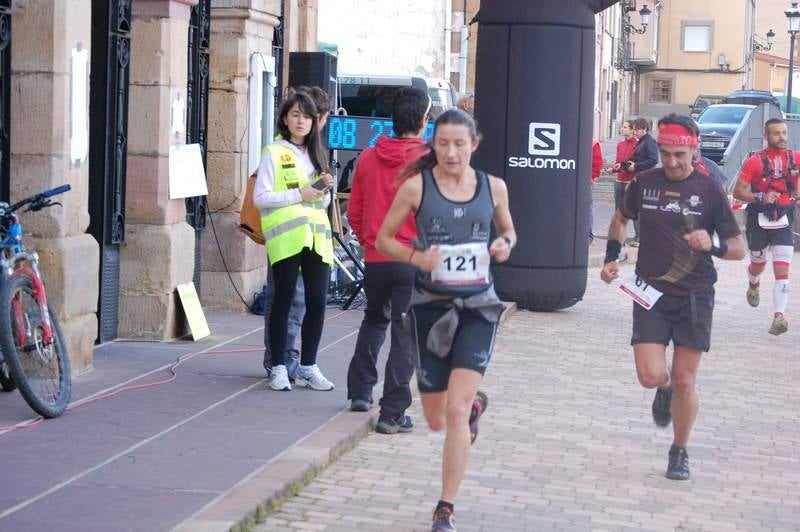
(100, 90)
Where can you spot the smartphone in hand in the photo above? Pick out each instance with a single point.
(320, 184)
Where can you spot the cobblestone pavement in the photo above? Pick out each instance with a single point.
(568, 442)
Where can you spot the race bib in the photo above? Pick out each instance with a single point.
(637, 289)
(463, 264)
(766, 223)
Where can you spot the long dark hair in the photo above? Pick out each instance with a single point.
(455, 117)
(311, 141)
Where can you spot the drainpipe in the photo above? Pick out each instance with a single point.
(448, 23)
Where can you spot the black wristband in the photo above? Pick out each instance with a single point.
(721, 250)
(613, 247)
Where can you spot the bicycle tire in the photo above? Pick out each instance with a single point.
(48, 407)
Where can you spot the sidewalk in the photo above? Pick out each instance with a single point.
(568, 442)
(152, 458)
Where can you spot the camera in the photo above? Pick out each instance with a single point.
(626, 165)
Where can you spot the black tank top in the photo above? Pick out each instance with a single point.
(453, 225)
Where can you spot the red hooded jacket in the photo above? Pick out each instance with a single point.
(373, 190)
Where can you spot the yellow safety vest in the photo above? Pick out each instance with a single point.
(289, 229)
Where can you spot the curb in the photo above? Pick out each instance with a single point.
(252, 499)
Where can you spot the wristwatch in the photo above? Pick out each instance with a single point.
(508, 241)
(759, 197)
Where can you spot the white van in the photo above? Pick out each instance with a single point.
(368, 95)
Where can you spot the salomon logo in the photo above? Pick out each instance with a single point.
(544, 139)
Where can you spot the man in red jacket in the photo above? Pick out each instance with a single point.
(388, 284)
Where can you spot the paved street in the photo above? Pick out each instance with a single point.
(569, 444)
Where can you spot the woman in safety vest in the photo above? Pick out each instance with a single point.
(290, 193)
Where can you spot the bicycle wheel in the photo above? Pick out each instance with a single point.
(41, 372)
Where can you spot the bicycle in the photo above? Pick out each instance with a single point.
(34, 357)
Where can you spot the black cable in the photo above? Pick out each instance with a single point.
(225, 264)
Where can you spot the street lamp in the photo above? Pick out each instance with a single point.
(793, 24)
(758, 47)
(645, 14)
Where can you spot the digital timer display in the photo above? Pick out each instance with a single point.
(359, 132)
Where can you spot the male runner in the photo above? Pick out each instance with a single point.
(678, 210)
(768, 183)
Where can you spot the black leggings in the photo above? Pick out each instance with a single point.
(316, 275)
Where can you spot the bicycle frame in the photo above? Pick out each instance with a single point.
(13, 262)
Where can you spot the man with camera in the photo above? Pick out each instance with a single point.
(645, 157)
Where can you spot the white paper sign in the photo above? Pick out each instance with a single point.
(79, 105)
(187, 177)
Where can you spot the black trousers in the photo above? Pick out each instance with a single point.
(388, 287)
(316, 276)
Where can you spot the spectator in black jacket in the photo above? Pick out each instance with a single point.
(645, 157)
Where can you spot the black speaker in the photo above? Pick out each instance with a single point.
(314, 69)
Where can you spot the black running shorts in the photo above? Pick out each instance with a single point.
(471, 349)
(686, 320)
(759, 238)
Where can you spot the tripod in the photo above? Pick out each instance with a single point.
(336, 229)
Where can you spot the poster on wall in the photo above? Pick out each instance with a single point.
(187, 177)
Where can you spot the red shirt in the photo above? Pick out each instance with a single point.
(597, 161)
(625, 149)
(752, 172)
(374, 188)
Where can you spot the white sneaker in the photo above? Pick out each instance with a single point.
(279, 379)
(312, 377)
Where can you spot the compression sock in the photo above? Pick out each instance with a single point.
(780, 294)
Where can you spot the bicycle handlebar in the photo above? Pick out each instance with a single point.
(56, 191)
(40, 197)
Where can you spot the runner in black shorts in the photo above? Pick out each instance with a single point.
(679, 207)
(454, 309)
(768, 182)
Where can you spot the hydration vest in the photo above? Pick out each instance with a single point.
(785, 184)
(289, 229)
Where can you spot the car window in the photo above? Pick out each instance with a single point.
(723, 115)
(440, 101)
(368, 100)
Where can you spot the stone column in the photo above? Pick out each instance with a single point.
(45, 33)
(239, 28)
(158, 254)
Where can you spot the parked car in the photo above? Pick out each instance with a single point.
(752, 97)
(718, 124)
(702, 101)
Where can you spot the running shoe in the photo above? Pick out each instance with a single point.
(360, 405)
(779, 325)
(753, 297)
(678, 466)
(279, 379)
(443, 520)
(312, 377)
(661, 406)
(479, 406)
(386, 425)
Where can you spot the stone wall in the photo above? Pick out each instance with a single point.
(158, 254)
(44, 34)
(239, 28)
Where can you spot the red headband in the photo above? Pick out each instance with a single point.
(676, 135)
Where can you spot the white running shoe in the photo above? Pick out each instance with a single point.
(279, 379)
(312, 377)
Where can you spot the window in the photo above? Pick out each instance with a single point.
(661, 91)
(697, 36)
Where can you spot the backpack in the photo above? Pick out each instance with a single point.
(249, 216)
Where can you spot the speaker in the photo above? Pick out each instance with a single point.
(314, 69)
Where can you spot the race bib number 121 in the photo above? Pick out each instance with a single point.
(462, 264)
